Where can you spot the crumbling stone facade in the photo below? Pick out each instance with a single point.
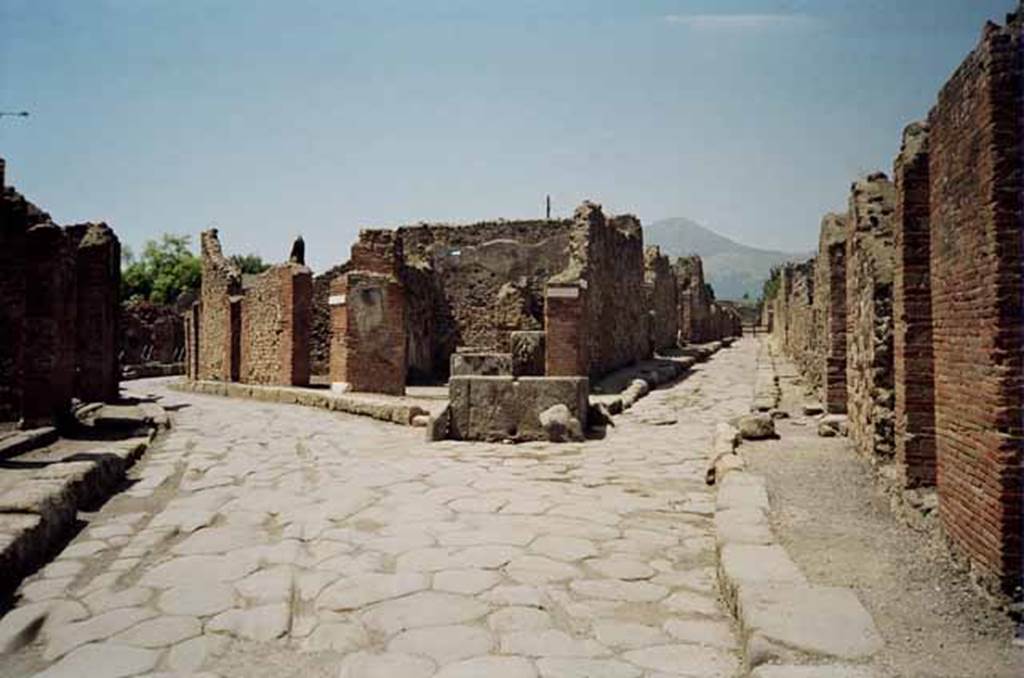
(276, 321)
(869, 324)
(975, 230)
(368, 340)
(59, 297)
(830, 313)
(219, 317)
(701, 318)
(320, 331)
(662, 299)
(934, 307)
(152, 333)
(913, 360)
(257, 332)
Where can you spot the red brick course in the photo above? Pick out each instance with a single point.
(976, 292)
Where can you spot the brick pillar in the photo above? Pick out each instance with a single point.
(830, 300)
(98, 283)
(565, 328)
(368, 333)
(49, 338)
(301, 324)
(191, 321)
(233, 338)
(912, 314)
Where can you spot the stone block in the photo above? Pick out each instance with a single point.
(481, 364)
(507, 408)
(527, 353)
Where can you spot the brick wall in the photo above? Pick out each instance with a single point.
(219, 346)
(661, 299)
(606, 255)
(320, 332)
(976, 267)
(368, 333)
(830, 311)
(276, 321)
(869, 326)
(97, 254)
(567, 346)
(913, 362)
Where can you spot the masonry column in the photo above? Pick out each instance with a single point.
(831, 302)
(565, 327)
(367, 333)
(912, 314)
(98, 283)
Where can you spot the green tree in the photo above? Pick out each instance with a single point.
(249, 263)
(165, 270)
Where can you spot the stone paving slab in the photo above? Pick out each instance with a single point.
(300, 541)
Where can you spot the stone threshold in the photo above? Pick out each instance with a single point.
(789, 627)
(46, 486)
(393, 409)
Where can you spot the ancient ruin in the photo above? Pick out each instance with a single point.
(59, 314)
(930, 286)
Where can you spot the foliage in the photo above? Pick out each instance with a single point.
(165, 270)
(771, 285)
(249, 263)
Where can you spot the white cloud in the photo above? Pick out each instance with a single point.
(738, 21)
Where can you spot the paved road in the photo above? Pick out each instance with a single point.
(273, 540)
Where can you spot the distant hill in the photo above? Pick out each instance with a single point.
(731, 268)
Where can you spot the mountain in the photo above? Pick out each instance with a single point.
(732, 268)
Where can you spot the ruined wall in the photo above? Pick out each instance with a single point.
(97, 255)
(151, 333)
(976, 292)
(58, 320)
(473, 285)
(320, 331)
(913, 361)
(801, 338)
(869, 325)
(276, 321)
(830, 312)
(661, 299)
(606, 260)
(219, 340)
(368, 309)
(694, 300)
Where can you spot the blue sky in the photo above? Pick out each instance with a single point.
(269, 119)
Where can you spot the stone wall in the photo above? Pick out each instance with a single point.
(913, 359)
(151, 333)
(606, 262)
(368, 309)
(255, 332)
(320, 331)
(869, 325)
(830, 312)
(473, 285)
(976, 293)
(701, 318)
(276, 314)
(801, 339)
(219, 347)
(934, 307)
(661, 298)
(59, 292)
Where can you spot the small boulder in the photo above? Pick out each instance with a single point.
(757, 426)
(560, 425)
(832, 425)
(813, 409)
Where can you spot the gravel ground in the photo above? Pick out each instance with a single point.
(839, 529)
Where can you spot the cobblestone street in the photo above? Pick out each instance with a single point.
(265, 539)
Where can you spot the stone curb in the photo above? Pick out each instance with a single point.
(19, 442)
(785, 621)
(39, 513)
(385, 408)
